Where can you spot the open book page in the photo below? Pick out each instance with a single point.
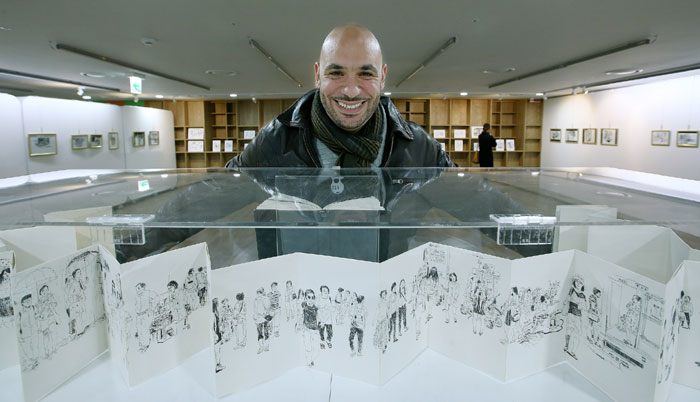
(257, 321)
(687, 354)
(612, 327)
(402, 309)
(464, 291)
(668, 346)
(36, 245)
(60, 321)
(346, 308)
(284, 202)
(167, 310)
(532, 314)
(8, 347)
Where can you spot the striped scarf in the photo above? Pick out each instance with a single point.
(358, 149)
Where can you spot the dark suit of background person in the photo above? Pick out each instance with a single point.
(486, 145)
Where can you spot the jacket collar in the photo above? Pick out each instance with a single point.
(299, 115)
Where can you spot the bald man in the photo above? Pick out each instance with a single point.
(344, 121)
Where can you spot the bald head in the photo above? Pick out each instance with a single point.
(349, 36)
(350, 75)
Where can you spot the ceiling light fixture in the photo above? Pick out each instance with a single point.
(539, 94)
(148, 41)
(585, 91)
(233, 95)
(274, 62)
(624, 71)
(229, 73)
(87, 97)
(463, 93)
(3, 28)
(80, 91)
(159, 96)
(568, 63)
(427, 61)
(106, 59)
(45, 78)
(387, 93)
(499, 70)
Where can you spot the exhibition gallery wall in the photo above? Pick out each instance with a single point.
(665, 107)
(69, 134)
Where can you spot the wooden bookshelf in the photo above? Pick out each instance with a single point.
(228, 120)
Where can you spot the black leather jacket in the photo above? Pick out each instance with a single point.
(287, 141)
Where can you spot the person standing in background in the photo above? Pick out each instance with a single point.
(486, 145)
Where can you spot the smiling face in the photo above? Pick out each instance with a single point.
(350, 76)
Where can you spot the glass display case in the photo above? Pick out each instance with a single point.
(339, 284)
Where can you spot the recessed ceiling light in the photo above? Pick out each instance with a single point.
(5, 28)
(148, 41)
(463, 93)
(539, 94)
(233, 95)
(624, 71)
(87, 97)
(159, 96)
(387, 93)
(229, 73)
(498, 70)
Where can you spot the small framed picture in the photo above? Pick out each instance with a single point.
(95, 140)
(476, 147)
(500, 144)
(476, 130)
(460, 133)
(139, 139)
(459, 145)
(590, 136)
(687, 139)
(216, 145)
(195, 133)
(510, 144)
(661, 137)
(555, 134)
(228, 145)
(79, 141)
(248, 134)
(153, 138)
(572, 135)
(608, 136)
(42, 144)
(439, 133)
(113, 140)
(195, 146)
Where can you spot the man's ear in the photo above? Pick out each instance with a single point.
(317, 74)
(383, 75)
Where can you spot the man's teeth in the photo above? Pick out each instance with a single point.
(346, 106)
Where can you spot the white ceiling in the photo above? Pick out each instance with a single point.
(195, 36)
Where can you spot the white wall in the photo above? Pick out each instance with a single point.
(13, 152)
(67, 118)
(26, 115)
(672, 104)
(148, 119)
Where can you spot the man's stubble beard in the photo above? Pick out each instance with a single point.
(333, 115)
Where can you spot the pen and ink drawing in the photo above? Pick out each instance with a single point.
(275, 311)
(309, 327)
(290, 302)
(531, 313)
(574, 307)
(262, 317)
(325, 317)
(161, 316)
(381, 331)
(667, 350)
(56, 306)
(229, 325)
(686, 310)
(6, 310)
(358, 317)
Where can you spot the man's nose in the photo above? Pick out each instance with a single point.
(351, 88)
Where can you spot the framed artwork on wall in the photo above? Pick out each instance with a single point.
(687, 139)
(590, 136)
(608, 136)
(216, 145)
(510, 144)
(661, 137)
(153, 138)
(113, 140)
(476, 130)
(476, 147)
(42, 144)
(195, 133)
(555, 134)
(95, 140)
(500, 144)
(139, 139)
(79, 141)
(572, 135)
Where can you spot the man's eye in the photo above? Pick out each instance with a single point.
(335, 73)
